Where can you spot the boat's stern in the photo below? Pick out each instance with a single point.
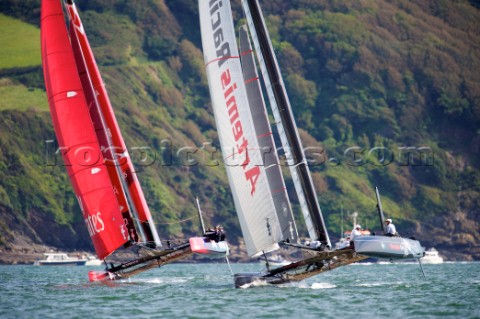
(247, 279)
(209, 248)
(96, 275)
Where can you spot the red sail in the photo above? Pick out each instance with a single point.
(101, 132)
(116, 143)
(76, 135)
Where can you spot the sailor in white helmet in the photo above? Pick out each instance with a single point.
(356, 232)
(391, 230)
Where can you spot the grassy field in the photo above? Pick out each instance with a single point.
(18, 97)
(20, 43)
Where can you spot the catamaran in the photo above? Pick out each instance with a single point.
(248, 148)
(95, 155)
(386, 247)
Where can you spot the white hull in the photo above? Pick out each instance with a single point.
(209, 248)
(388, 247)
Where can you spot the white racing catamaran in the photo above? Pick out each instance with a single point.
(394, 247)
(248, 148)
(95, 155)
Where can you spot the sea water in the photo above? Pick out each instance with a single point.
(450, 290)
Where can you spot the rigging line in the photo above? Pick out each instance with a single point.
(170, 242)
(421, 267)
(230, 267)
(142, 243)
(175, 222)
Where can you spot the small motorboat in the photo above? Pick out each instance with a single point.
(60, 259)
(431, 257)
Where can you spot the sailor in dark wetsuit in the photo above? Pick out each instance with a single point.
(210, 234)
(221, 233)
(217, 234)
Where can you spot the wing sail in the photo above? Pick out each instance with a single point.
(108, 131)
(265, 139)
(245, 170)
(76, 135)
(287, 128)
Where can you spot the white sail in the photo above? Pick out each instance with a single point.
(240, 149)
(265, 138)
(314, 221)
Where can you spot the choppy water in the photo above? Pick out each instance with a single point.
(452, 290)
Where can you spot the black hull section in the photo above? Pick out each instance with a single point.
(248, 278)
(155, 258)
(299, 270)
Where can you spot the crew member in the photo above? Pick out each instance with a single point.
(221, 233)
(391, 230)
(211, 234)
(355, 233)
(217, 234)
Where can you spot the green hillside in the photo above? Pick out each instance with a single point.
(18, 49)
(388, 93)
(19, 97)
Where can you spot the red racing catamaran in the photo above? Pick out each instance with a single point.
(95, 155)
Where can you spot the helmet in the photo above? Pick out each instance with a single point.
(358, 226)
(388, 220)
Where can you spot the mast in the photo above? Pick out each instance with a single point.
(286, 123)
(115, 143)
(380, 210)
(341, 220)
(199, 210)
